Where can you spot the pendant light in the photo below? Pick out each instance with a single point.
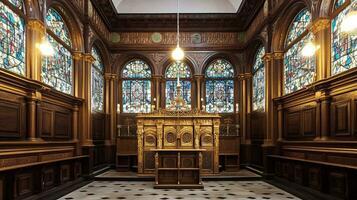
(178, 54)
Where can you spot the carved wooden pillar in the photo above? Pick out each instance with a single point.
(324, 99)
(32, 101)
(140, 136)
(198, 79)
(111, 107)
(270, 85)
(160, 131)
(85, 93)
(35, 33)
(275, 74)
(216, 125)
(321, 31)
(244, 108)
(197, 128)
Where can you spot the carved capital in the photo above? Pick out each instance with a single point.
(268, 57)
(319, 25)
(110, 76)
(36, 25)
(88, 58)
(245, 76)
(279, 55)
(77, 55)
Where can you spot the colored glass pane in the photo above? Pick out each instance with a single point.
(136, 87)
(259, 81)
(178, 68)
(299, 71)
(298, 26)
(97, 82)
(339, 3)
(136, 96)
(344, 46)
(17, 3)
(136, 69)
(57, 69)
(220, 68)
(55, 23)
(220, 87)
(171, 92)
(12, 41)
(219, 96)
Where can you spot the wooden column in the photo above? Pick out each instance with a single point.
(321, 31)
(157, 81)
(32, 101)
(35, 33)
(275, 72)
(85, 93)
(198, 79)
(244, 107)
(216, 125)
(140, 135)
(75, 129)
(270, 86)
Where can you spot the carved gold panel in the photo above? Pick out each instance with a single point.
(186, 136)
(170, 136)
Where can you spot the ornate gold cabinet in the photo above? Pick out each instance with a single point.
(164, 129)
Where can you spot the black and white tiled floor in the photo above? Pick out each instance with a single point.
(213, 190)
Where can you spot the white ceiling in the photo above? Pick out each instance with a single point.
(170, 6)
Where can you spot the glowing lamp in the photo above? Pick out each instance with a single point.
(46, 48)
(309, 49)
(178, 54)
(349, 23)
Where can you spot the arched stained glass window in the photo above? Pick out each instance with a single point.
(339, 3)
(57, 70)
(97, 82)
(136, 87)
(344, 46)
(220, 87)
(259, 81)
(183, 71)
(12, 38)
(299, 71)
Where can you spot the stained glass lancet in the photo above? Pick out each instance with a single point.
(136, 87)
(220, 87)
(12, 39)
(183, 71)
(97, 82)
(57, 70)
(299, 71)
(344, 46)
(259, 81)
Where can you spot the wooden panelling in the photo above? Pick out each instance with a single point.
(65, 173)
(337, 184)
(257, 126)
(309, 122)
(12, 119)
(47, 123)
(63, 126)
(292, 124)
(341, 118)
(98, 126)
(48, 178)
(23, 185)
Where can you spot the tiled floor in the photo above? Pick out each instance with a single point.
(213, 190)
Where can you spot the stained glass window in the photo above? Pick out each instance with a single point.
(12, 39)
(220, 87)
(339, 3)
(344, 46)
(57, 70)
(298, 26)
(183, 70)
(136, 87)
(17, 3)
(56, 24)
(259, 81)
(299, 71)
(97, 82)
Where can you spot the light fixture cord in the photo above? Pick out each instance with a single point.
(178, 22)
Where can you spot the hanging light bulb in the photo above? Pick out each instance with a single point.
(309, 49)
(46, 48)
(178, 54)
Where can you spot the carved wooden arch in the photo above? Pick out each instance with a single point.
(32, 9)
(233, 61)
(150, 132)
(103, 52)
(168, 61)
(206, 132)
(71, 20)
(326, 8)
(283, 23)
(122, 61)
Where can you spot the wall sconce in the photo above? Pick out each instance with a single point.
(237, 107)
